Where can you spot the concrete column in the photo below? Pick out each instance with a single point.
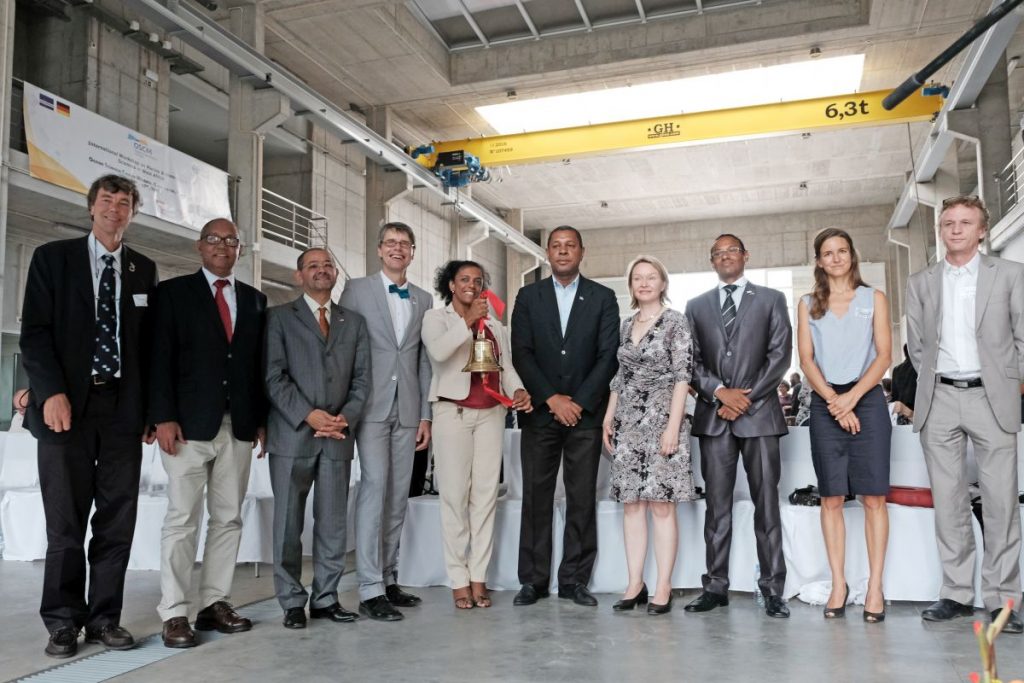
(251, 113)
(517, 264)
(383, 185)
(993, 106)
(7, 10)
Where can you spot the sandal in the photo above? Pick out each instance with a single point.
(481, 596)
(462, 598)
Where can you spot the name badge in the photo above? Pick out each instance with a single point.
(141, 299)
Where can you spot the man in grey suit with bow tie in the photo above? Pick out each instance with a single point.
(742, 344)
(965, 333)
(318, 376)
(397, 422)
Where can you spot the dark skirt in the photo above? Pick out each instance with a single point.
(852, 464)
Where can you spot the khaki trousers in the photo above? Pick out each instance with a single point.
(955, 415)
(467, 464)
(221, 467)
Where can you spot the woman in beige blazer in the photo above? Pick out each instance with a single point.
(468, 426)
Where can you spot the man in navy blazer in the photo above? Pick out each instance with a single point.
(565, 335)
(208, 404)
(83, 345)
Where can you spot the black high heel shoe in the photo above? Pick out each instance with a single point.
(654, 608)
(875, 617)
(626, 605)
(838, 612)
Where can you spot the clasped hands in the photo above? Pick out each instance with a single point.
(566, 411)
(734, 403)
(326, 425)
(840, 407)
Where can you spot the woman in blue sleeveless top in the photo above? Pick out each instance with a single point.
(845, 347)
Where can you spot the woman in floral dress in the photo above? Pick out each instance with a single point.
(645, 430)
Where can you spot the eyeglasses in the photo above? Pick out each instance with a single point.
(720, 253)
(404, 245)
(217, 239)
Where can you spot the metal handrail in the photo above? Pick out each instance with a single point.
(1010, 180)
(291, 223)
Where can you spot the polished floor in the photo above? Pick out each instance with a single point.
(553, 640)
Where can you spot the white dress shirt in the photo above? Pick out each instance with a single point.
(96, 253)
(401, 309)
(737, 295)
(564, 296)
(958, 341)
(314, 308)
(229, 293)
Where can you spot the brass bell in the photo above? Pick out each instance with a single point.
(481, 356)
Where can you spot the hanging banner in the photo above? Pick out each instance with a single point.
(70, 146)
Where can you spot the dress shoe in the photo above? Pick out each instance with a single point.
(177, 633)
(333, 612)
(945, 609)
(399, 598)
(707, 601)
(221, 616)
(1013, 624)
(578, 593)
(295, 617)
(655, 609)
(837, 612)
(875, 617)
(775, 606)
(380, 608)
(111, 635)
(529, 594)
(63, 643)
(627, 604)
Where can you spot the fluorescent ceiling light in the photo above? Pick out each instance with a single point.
(783, 83)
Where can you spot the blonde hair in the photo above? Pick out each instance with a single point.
(658, 266)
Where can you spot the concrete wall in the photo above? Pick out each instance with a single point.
(773, 241)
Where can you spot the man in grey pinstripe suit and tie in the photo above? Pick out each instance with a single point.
(318, 378)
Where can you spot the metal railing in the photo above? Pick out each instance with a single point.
(1010, 183)
(291, 223)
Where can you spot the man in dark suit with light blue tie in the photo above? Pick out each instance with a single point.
(742, 346)
(83, 345)
(317, 372)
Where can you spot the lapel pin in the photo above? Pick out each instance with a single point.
(131, 266)
(581, 298)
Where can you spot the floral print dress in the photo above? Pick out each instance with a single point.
(647, 374)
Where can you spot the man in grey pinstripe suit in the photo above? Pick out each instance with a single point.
(318, 378)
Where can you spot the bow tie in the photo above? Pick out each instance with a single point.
(402, 292)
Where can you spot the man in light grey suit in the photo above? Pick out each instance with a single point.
(742, 346)
(318, 377)
(965, 334)
(397, 422)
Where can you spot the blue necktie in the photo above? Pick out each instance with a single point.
(402, 292)
(105, 360)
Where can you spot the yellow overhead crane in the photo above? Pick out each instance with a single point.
(859, 109)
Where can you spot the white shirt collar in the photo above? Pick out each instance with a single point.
(971, 267)
(740, 284)
(314, 306)
(571, 285)
(388, 282)
(98, 251)
(211, 278)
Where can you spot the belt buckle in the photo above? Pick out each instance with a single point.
(961, 384)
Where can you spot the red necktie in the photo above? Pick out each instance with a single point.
(325, 327)
(222, 306)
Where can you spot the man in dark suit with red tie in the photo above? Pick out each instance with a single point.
(209, 408)
(83, 348)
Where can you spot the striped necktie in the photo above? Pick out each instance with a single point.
(729, 309)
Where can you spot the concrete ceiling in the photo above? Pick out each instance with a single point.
(418, 58)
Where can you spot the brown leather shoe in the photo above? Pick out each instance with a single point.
(221, 616)
(177, 633)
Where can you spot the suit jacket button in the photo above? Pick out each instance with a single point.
(728, 353)
(394, 378)
(229, 356)
(225, 382)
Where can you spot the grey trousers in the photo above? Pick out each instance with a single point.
(955, 415)
(291, 479)
(386, 451)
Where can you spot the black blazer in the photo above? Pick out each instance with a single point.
(58, 329)
(196, 374)
(581, 364)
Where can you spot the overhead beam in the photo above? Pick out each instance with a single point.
(583, 15)
(226, 49)
(641, 12)
(858, 109)
(473, 25)
(528, 20)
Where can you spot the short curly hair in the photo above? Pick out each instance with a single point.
(447, 273)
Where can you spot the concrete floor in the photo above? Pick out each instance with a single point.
(551, 641)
